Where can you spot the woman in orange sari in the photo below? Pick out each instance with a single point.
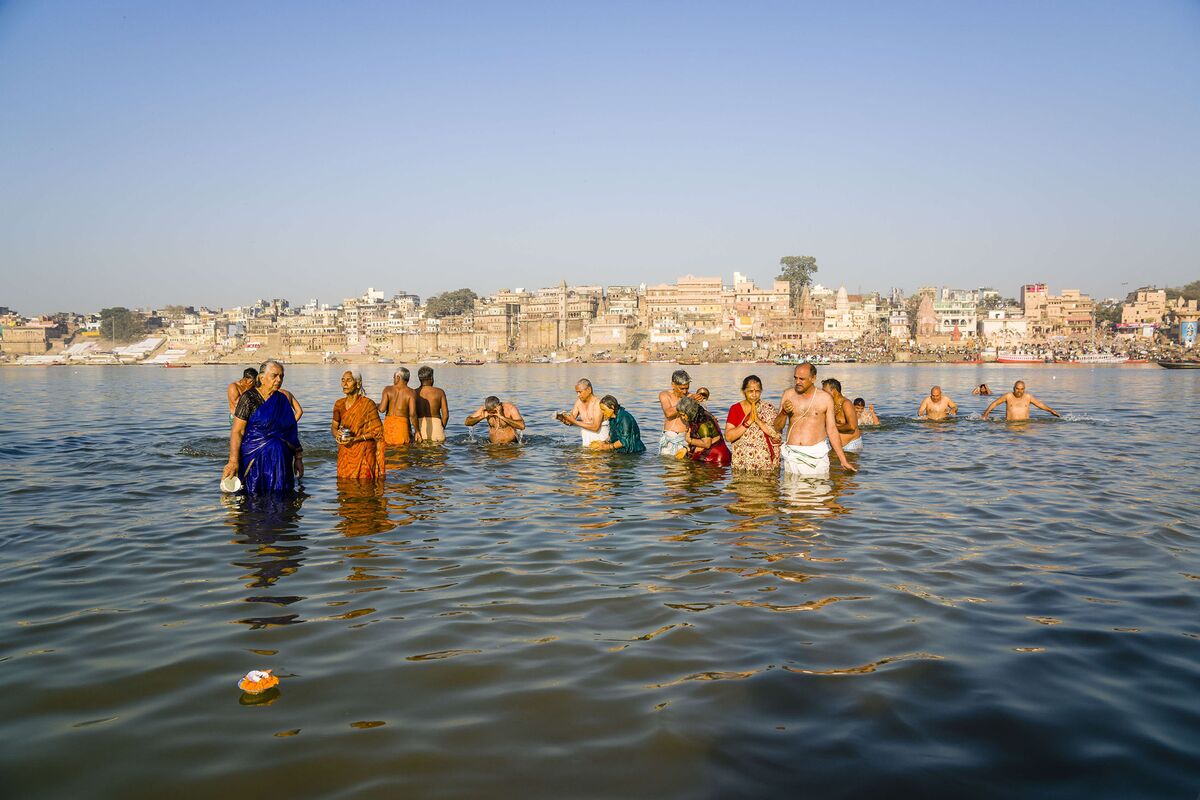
(358, 432)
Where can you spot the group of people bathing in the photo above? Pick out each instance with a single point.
(266, 454)
(937, 406)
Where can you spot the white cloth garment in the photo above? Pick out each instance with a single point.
(599, 436)
(811, 461)
(671, 443)
(855, 446)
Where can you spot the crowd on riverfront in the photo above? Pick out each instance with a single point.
(266, 457)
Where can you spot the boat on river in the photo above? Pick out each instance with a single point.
(1179, 364)
(1019, 358)
(791, 360)
(1098, 358)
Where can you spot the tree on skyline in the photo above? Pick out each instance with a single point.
(1189, 291)
(798, 271)
(452, 303)
(120, 324)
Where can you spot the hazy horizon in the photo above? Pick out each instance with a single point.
(212, 155)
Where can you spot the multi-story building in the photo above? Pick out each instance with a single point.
(955, 312)
(314, 330)
(557, 317)
(899, 325)
(849, 317)
(1070, 314)
(1002, 328)
(496, 324)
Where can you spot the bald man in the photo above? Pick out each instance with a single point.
(937, 406)
(1017, 403)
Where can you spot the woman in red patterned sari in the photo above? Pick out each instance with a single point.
(749, 430)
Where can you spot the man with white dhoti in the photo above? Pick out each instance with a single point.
(674, 436)
(812, 428)
(585, 415)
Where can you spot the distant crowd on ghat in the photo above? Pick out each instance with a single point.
(266, 457)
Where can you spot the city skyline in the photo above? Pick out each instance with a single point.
(161, 155)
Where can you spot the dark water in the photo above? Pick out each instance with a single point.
(985, 610)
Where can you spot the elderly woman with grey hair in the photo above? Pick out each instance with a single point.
(703, 436)
(358, 432)
(264, 444)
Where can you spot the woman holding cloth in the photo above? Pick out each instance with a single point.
(264, 444)
(749, 430)
(358, 432)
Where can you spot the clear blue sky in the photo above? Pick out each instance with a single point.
(216, 152)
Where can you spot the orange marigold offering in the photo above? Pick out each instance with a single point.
(257, 680)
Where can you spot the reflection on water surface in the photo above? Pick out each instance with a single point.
(985, 609)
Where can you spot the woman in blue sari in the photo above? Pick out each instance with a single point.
(264, 445)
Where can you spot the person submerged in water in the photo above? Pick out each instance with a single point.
(433, 408)
(866, 413)
(673, 440)
(982, 390)
(585, 415)
(238, 388)
(750, 432)
(624, 436)
(811, 427)
(503, 419)
(399, 407)
(844, 416)
(937, 406)
(1017, 403)
(703, 436)
(358, 432)
(264, 444)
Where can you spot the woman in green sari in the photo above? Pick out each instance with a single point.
(623, 433)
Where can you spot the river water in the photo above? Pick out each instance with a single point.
(985, 610)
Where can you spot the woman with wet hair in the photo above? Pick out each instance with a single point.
(704, 439)
(624, 436)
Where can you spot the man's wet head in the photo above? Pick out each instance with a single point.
(680, 382)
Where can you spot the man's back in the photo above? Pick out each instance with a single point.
(431, 402)
(398, 401)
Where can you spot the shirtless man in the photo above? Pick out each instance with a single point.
(844, 416)
(399, 405)
(937, 406)
(503, 419)
(674, 436)
(1017, 403)
(812, 427)
(433, 409)
(238, 387)
(585, 415)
